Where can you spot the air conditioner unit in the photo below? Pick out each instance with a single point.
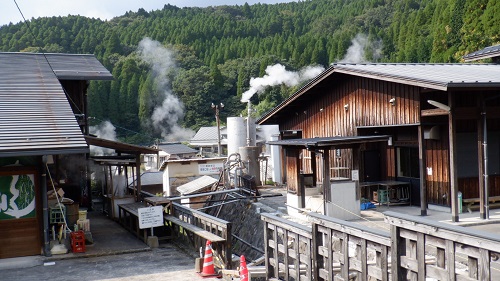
(432, 133)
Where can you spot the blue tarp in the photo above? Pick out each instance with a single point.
(367, 205)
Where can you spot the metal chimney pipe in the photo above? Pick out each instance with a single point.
(249, 139)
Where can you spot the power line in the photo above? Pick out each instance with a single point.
(45, 57)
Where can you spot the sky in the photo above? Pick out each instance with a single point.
(103, 9)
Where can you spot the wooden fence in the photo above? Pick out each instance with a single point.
(415, 249)
(199, 227)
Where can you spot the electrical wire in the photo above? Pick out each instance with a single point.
(45, 56)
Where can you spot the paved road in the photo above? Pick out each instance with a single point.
(165, 263)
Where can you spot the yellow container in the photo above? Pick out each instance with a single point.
(82, 214)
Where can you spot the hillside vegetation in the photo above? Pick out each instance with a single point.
(171, 64)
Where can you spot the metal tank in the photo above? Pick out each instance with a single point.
(249, 156)
(236, 134)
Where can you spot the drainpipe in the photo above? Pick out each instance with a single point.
(485, 152)
(45, 206)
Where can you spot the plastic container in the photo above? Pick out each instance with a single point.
(78, 241)
(82, 214)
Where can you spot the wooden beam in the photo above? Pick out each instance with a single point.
(433, 112)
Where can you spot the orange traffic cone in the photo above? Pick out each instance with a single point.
(243, 269)
(208, 262)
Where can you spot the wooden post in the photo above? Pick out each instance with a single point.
(398, 249)
(453, 162)
(422, 165)
(228, 245)
(421, 256)
(314, 167)
(326, 178)
(138, 172)
(318, 260)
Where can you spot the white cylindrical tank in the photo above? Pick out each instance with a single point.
(275, 159)
(236, 134)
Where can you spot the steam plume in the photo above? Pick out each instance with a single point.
(356, 53)
(277, 75)
(165, 117)
(105, 130)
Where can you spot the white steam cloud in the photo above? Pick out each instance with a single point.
(105, 130)
(277, 75)
(356, 53)
(165, 117)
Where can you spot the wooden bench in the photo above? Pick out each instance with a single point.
(128, 217)
(473, 203)
(196, 230)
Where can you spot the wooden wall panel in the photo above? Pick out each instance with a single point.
(438, 184)
(19, 238)
(368, 105)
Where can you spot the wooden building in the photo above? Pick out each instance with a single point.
(39, 128)
(427, 125)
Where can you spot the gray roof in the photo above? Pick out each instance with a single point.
(208, 136)
(338, 142)
(196, 185)
(488, 52)
(176, 148)
(432, 76)
(35, 115)
(77, 67)
(149, 178)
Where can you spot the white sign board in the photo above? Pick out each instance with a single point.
(150, 217)
(355, 175)
(210, 169)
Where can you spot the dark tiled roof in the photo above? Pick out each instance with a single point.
(176, 148)
(152, 178)
(488, 52)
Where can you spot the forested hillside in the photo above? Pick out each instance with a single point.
(171, 64)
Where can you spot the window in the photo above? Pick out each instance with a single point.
(408, 162)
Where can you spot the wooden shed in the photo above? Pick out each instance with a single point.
(40, 128)
(438, 119)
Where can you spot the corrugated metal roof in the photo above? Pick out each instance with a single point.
(433, 76)
(176, 148)
(35, 115)
(196, 185)
(69, 66)
(330, 141)
(488, 52)
(120, 146)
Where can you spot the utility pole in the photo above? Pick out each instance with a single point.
(218, 107)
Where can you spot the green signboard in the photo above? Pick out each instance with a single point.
(17, 196)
